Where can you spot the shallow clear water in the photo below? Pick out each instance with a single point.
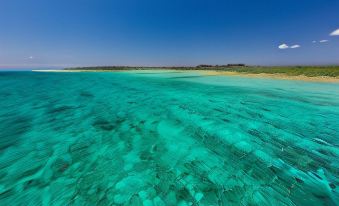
(154, 138)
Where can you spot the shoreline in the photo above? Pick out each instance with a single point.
(278, 76)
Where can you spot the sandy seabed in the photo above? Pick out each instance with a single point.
(222, 73)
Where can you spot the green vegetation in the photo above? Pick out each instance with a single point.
(310, 71)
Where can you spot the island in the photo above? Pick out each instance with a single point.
(305, 73)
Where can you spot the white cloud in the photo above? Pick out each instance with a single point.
(30, 57)
(314, 42)
(283, 46)
(295, 46)
(323, 41)
(335, 33)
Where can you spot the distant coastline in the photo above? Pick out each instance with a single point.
(304, 73)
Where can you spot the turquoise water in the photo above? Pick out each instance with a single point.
(155, 138)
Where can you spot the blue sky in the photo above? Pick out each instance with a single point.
(58, 33)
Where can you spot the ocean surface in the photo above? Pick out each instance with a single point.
(166, 138)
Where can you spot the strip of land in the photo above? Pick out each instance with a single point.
(275, 76)
(303, 73)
